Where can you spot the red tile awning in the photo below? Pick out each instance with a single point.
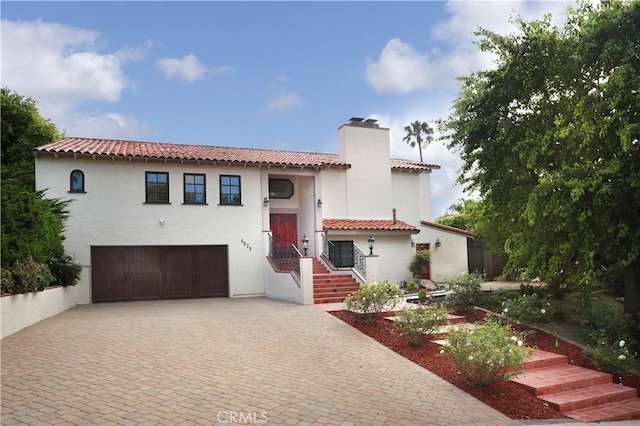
(368, 225)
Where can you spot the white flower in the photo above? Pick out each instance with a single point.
(514, 338)
(520, 343)
(621, 344)
(441, 351)
(543, 310)
(621, 356)
(470, 357)
(505, 310)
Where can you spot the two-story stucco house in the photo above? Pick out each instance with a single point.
(156, 220)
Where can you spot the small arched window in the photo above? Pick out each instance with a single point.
(76, 181)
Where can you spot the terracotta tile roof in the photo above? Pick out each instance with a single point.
(167, 151)
(367, 225)
(448, 228)
(177, 152)
(412, 165)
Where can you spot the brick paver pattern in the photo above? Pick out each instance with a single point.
(218, 361)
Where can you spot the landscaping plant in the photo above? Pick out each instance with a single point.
(372, 299)
(614, 357)
(528, 309)
(489, 352)
(421, 323)
(465, 288)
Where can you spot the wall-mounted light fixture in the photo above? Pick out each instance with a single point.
(371, 240)
(438, 243)
(265, 201)
(413, 243)
(319, 203)
(305, 244)
(162, 221)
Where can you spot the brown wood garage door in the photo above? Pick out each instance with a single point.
(158, 272)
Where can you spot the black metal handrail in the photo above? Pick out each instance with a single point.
(359, 261)
(286, 258)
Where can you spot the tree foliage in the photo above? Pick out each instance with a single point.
(549, 138)
(23, 128)
(32, 224)
(462, 215)
(418, 133)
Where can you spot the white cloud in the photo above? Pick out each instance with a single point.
(285, 101)
(62, 68)
(55, 63)
(188, 68)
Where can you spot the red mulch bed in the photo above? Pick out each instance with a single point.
(505, 397)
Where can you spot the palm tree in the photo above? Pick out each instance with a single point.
(414, 135)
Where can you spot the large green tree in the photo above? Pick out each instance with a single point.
(32, 225)
(550, 140)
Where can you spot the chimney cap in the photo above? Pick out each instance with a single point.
(356, 119)
(370, 120)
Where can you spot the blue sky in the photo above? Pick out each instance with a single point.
(272, 75)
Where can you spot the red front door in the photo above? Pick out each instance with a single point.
(284, 229)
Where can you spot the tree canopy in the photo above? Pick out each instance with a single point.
(32, 225)
(550, 140)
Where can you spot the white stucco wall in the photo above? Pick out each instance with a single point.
(112, 212)
(22, 310)
(450, 258)
(393, 250)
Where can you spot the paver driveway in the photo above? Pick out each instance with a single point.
(218, 361)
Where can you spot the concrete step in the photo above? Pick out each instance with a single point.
(589, 397)
(541, 359)
(560, 378)
(614, 411)
(343, 285)
(328, 299)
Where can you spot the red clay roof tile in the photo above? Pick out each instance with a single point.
(366, 225)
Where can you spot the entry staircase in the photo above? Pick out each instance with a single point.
(331, 288)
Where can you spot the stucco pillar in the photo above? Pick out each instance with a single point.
(306, 280)
(371, 265)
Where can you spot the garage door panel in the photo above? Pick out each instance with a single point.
(107, 274)
(145, 273)
(179, 274)
(212, 272)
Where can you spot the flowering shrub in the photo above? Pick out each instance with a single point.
(8, 283)
(30, 275)
(614, 357)
(528, 309)
(374, 298)
(465, 288)
(418, 325)
(491, 351)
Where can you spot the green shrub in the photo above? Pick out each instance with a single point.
(528, 309)
(374, 298)
(602, 315)
(413, 286)
(465, 288)
(418, 325)
(611, 355)
(422, 296)
(489, 352)
(530, 290)
(65, 271)
(30, 275)
(8, 283)
(418, 263)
